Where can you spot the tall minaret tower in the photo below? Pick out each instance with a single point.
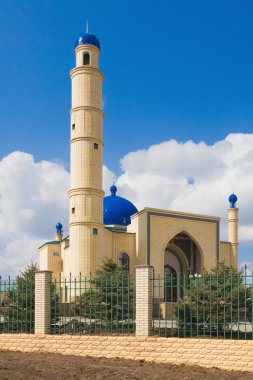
(86, 145)
(233, 228)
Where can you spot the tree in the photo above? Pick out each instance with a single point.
(17, 304)
(214, 303)
(108, 299)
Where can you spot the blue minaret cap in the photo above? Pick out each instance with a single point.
(232, 199)
(58, 228)
(113, 190)
(87, 38)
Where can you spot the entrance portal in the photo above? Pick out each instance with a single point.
(181, 257)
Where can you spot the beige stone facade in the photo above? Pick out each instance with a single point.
(167, 240)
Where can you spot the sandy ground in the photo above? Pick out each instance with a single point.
(34, 366)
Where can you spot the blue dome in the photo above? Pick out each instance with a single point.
(87, 38)
(232, 199)
(117, 210)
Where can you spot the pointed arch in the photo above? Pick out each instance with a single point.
(183, 231)
(179, 254)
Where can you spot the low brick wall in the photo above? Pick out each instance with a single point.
(225, 354)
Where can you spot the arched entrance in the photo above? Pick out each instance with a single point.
(182, 256)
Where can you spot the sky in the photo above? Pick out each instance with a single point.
(177, 100)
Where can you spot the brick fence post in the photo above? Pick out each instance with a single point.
(144, 290)
(42, 321)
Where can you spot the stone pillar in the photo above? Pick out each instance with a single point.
(144, 290)
(43, 280)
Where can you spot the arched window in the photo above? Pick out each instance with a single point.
(86, 59)
(124, 261)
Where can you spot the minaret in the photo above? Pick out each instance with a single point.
(86, 145)
(58, 236)
(233, 228)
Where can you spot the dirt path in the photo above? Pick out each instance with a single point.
(34, 366)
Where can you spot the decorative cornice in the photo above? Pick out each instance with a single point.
(87, 46)
(88, 138)
(86, 108)
(86, 224)
(88, 69)
(85, 190)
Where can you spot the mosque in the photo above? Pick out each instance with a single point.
(111, 227)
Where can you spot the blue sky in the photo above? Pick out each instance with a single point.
(173, 70)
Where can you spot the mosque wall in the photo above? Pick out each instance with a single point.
(44, 257)
(115, 243)
(107, 248)
(226, 254)
(50, 259)
(66, 258)
(139, 227)
(125, 243)
(163, 226)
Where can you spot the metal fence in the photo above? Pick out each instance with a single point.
(17, 305)
(213, 306)
(94, 305)
(203, 305)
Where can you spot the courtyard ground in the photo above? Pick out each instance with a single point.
(35, 366)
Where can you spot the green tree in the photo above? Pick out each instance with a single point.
(17, 301)
(216, 302)
(108, 300)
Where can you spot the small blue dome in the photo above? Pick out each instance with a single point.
(117, 210)
(58, 228)
(113, 190)
(232, 199)
(87, 38)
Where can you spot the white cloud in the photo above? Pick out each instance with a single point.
(33, 198)
(171, 175)
(193, 177)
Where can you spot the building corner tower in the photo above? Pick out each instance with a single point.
(86, 146)
(233, 228)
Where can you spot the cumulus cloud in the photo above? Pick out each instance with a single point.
(193, 177)
(172, 175)
(33, 198)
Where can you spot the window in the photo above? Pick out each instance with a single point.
(124, 221)
(73, 210)
(56, 254)
(86, 59)
(95, 145)
(124, 261)
(95, 231)
(73, 127)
